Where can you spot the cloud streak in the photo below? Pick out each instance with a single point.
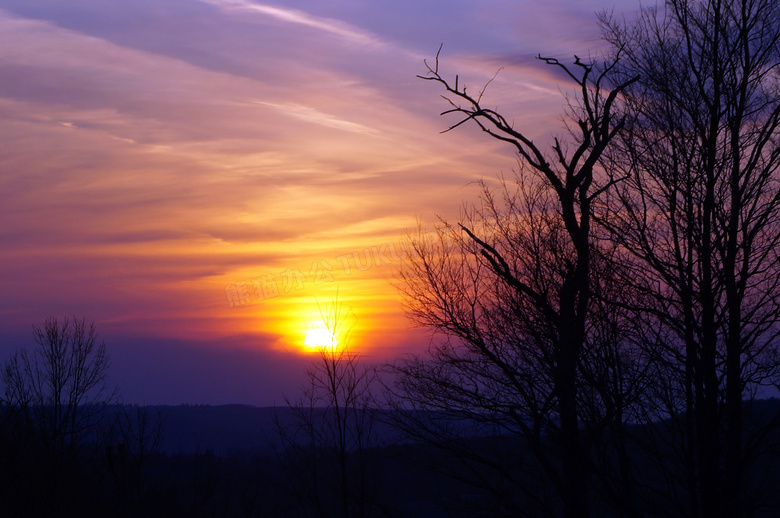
(314, 116)
(294, 16)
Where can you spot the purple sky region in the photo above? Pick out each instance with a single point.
(160, 156)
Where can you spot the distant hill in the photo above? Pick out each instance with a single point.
(243, 429)
(225, 429)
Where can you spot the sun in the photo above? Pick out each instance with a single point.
(317, 337)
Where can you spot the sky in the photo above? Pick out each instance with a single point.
(201, 178)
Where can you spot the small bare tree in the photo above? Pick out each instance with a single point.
(53, 399)
(327, 445)
(58, 389)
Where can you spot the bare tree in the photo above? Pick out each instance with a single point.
(53, 400)
(511, 290)
(327, 445)
(59, 388)
(699, 217)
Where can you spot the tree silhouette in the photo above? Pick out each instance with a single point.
(511, 290)
(699, 218)
(327, 446)
(53, 400)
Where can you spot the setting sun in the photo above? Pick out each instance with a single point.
(319, 337)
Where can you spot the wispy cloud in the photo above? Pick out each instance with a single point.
(298, 17)
(315, 116)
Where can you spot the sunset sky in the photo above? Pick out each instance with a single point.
(194, 176)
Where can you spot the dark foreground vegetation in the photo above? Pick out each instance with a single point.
(192, 467)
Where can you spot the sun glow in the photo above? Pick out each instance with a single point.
(318, 337)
